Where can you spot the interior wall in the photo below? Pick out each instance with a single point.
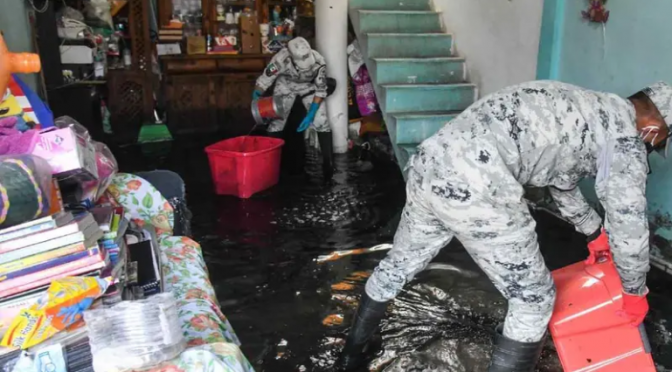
(499, 38)
(15, 26)
(633, 50)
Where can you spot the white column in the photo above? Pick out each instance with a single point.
(331, 36)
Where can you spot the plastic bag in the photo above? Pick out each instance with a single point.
(107, 168)
(133, 335)
(68, 122)
(98, 13)
(26, 184)
(106, 162)
(70, 13)
(61, 307)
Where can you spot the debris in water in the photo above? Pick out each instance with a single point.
(359, 276)
(333, 320)
(331, 341)
(337, 255)
(342, 286)
(663, 332)
(282, 347)
(345, 299)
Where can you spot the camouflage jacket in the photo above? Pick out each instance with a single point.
(282, 65)
(555, 134)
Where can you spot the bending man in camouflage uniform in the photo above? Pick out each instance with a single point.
(300, 72)
(467, 182)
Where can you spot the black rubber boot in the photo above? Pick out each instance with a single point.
(327, 148)
(513, 356)
(366, 321)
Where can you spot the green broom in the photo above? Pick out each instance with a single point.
(155, 138)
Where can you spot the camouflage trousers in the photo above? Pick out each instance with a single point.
(289, 91)
(467, 193)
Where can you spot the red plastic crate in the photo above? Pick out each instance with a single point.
(243, 166)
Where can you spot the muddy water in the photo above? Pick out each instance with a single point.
(260, 255)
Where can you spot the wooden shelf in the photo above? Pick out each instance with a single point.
(213, 56)
(238, 3)
(89, 82)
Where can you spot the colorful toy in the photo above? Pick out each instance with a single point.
(22, 63)
(11, 105)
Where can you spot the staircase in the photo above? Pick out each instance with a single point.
(419, 82)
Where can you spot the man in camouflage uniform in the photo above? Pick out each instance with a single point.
(467, 182)
(300, 72)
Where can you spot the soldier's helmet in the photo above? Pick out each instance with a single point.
(660, 94)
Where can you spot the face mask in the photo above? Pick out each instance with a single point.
(645, 132)
(650, 146)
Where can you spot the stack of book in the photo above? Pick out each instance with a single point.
(170, 40)
(35, 253)
(170, 35)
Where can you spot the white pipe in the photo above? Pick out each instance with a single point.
(331, 36)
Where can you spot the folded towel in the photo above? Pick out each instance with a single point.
(19, 143)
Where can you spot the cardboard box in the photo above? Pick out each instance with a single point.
(69, 155)
(250, 37)
(196, 45)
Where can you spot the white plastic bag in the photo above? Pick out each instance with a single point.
(134, 335)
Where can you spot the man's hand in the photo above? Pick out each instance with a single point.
(635, 308)
(598, 246)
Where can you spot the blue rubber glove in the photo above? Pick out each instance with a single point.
(309, 118)
(256, 94)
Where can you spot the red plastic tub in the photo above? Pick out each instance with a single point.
(243, 166)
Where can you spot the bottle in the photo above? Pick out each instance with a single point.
(230, 18)
(127, 58)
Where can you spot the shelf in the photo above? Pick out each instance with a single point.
(238, 3)
(89, 82)
(178, 57)
(281, 3)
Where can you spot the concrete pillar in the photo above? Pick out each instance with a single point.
(331, 36)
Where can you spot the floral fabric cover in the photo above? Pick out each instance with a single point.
(213, 344)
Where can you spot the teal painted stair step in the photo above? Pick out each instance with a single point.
(427, 97)
(395, 21)
(420, 70)
(408, 45)
(404, 155)
(413, 128)
(390, 4)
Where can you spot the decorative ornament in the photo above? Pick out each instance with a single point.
(596, 12)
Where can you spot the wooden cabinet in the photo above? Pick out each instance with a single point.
(211, 93)
(234, 103)
(191, 104)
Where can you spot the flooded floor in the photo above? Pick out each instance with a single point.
(291, 313)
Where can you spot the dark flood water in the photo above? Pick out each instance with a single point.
(286, 308)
